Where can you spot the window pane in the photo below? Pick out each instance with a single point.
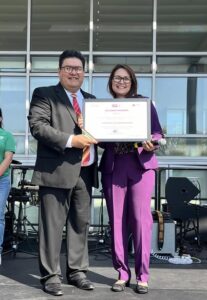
(100, 87)
(140, 64)
(182, 25)
(13, 64)
(44, 63)
(182, 105)
(58, 24)
(182, 64)
(32, 145)
(49, 63)
(12, 102)
(13, 25)
(201, 105)
(171, 95)
(20, 144)
(184, 146)
(47, 81)
(123, 26)
(42, 81)
(145, 87)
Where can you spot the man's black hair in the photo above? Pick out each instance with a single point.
(71, 54)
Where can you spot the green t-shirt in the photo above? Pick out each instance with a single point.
(7, 144)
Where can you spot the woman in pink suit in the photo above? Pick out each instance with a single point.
(128, 179)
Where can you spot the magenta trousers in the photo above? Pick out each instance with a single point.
(128, 193)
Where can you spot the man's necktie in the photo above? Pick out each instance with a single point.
(76, 105)
(86, 150)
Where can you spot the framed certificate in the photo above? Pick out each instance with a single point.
(118, 120)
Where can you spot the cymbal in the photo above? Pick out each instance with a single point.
(16, 162)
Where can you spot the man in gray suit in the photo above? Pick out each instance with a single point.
(65, 186)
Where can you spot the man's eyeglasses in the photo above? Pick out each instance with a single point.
(118, 79)
(70, 69)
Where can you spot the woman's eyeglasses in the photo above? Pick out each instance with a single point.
(70, 69)
(118, 79)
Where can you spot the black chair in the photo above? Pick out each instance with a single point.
(179, 191)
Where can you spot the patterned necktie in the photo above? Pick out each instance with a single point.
(76, 105)
(86, 151)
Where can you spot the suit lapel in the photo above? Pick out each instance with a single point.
(86, 95)
(64, 99)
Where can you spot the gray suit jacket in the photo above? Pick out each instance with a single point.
(52, 119)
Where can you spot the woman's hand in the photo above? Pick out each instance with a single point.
(148, 146)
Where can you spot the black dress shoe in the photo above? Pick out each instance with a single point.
(120, 286)
(82, 283)
(141, 289)
(53, 289)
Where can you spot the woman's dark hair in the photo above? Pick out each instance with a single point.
(1, 118)
(133, 89)
(71, 54)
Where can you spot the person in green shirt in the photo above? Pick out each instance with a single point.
(7, 150)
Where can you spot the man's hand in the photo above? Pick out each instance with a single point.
(80, 120)
(81, 141)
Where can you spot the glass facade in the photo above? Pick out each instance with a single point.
(55, 25)
(181, 25)
(123, 27)
(13, 25)
(164, 41)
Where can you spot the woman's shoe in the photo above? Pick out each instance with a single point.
(142, 288)
(119, 285)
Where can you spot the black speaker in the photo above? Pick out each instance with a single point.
(182, 187)
(179, 192)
